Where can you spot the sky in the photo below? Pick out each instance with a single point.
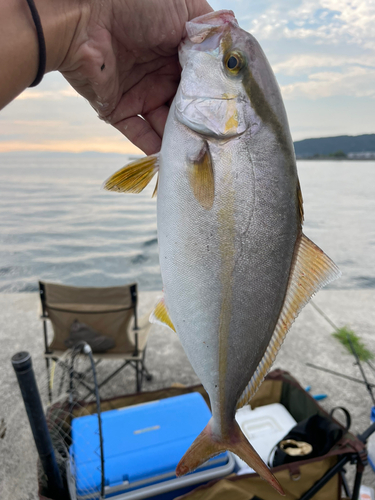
(322, 53)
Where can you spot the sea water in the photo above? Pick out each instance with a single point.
(57, 224)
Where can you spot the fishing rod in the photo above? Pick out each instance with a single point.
(338, 374)
(369, 386)
(370, 365)
(358, 362)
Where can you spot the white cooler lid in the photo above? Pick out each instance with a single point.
(264, 427)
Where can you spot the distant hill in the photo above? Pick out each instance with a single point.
(308, 148)
(326, 146)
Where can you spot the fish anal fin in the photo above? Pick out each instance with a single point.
(133, 178)
(206, 445)
(160, 315)
(201, 177)
(311, 270)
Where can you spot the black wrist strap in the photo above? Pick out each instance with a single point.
(41, 43)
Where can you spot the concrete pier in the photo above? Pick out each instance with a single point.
(309, 340)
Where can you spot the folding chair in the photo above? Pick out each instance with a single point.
(109, 311)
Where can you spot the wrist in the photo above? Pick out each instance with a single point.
(59, 22)
(19, 54)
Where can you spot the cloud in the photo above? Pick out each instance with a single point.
(48, 95)
(100, 144)
(301, 63)
(320, 48)
(52, 118)
(323, 52)
(356, 81)
(321, 21)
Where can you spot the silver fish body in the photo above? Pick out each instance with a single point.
(225, 270)
(235, 265)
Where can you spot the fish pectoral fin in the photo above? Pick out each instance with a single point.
(201, 177)
(133, 178)
(160, 315)
(206, 445)
(311, 270)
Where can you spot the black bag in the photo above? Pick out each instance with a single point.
(318, 431)
(82, 332)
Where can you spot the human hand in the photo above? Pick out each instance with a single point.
(123, 59)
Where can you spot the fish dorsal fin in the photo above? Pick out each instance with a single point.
(311, 270)
(300, 202)
(160, 315)
(133, 178)
(201, 177)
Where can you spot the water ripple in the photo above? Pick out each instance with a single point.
(57, 224)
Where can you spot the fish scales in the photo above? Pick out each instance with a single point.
(218, 258)
(235, 265)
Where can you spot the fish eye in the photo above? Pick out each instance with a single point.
(233, 62)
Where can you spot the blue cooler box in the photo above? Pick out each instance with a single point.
(142, 447)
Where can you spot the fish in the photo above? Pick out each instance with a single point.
(236, 267)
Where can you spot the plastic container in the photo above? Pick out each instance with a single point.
(142, 447)
(264, 427)
(366, 493)
(371, 442)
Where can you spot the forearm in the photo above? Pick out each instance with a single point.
(19, 49)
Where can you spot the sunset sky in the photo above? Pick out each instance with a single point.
(322, 52)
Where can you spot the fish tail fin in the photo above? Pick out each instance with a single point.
(207, 445)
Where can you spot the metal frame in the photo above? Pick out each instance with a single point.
(138, 364)
(360, 460)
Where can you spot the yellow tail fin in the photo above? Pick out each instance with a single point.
(206, 446)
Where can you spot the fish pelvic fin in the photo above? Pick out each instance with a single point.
(311, 270)
(201, 177)
(207, 445)
(133, 178)
(161, 316)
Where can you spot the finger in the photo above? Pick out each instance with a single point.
(140, 133)
(147, 95)
(157, 119)
(137, 131)
(197, 8)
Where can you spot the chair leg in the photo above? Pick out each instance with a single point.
(357, 483)
(49, 380)
(61, 384)
(138, 377)
(345, 483)
(107, 379)
(146, 373)
(144, 368)
(76, 375)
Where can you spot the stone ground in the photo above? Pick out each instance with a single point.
(308, 341)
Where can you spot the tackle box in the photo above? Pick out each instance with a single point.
(142, 447)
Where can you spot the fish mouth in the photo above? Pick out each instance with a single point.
(203, 27)
(225, 97)
(219, 117)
